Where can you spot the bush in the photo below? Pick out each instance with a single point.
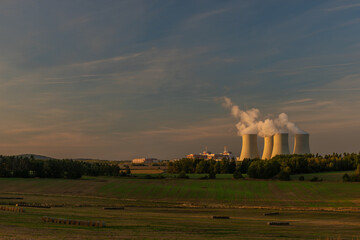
(301, 178)
(237, 175)
(346, 178)
(315, 179)
(284, 174)
(212, 175)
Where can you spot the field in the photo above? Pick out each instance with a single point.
(182, 208)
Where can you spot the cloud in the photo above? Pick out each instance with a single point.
(306, 106)
(106, 60)
(347, 83)
(299, 101)
(342, 7)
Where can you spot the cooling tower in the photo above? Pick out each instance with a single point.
(281, 144)
(301, 144)
(268, 147)
(249, 147)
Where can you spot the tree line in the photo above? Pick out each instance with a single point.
(28, 167)
(189, 165)
(281, 166)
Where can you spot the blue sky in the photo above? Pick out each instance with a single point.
(123, 79)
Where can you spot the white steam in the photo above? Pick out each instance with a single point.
(250, 123)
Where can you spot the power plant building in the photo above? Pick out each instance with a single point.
(281, 144)
(249, 147)
(268, 147)
(273, 145)
(301, 144)
(208, 155)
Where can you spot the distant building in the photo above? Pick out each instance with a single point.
(208, 155)
(145, 160)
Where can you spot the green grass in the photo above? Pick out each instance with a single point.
(182, 208)
(226, 192)
(191, 175)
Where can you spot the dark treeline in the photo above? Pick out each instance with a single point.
(187, 165)
(281, 166)
(284, 165)
(28, 167)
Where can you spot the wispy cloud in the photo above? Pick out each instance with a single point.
(306, 106)
(298, 101)
(106, 60)
(330, 90)
(342, 7)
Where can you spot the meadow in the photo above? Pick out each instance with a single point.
(182, 208)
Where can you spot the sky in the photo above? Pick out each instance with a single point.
(125, 79)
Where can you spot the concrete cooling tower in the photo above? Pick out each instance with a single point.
(281, 144)
(301, 144)
(268, 147)
(249, 147)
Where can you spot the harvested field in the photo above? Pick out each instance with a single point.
(181, 209)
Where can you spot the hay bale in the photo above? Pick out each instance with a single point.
(221, 217)
(84, 223)
(114, 208)
(279, 223)
(271, 214)
(73, 222)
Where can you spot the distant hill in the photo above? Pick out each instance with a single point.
(36, 156)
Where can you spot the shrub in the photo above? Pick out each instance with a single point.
(212, 175)
(237, 174)
(346, 178)
(315, 179)
(301, 178)
(284, 174)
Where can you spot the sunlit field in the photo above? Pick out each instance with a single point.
(181, 208)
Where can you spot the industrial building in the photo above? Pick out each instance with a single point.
(208, 155)
(277, 144)
(145, 160)
(249, 147)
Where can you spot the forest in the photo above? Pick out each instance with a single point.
(28, 167)
(281, 166)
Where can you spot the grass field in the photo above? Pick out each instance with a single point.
(182, 208)
(147, 171)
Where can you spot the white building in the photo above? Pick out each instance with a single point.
(145, 160)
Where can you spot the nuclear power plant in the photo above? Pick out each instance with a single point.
(277, 144)
(268, 147)
(249, 147)
(301, 144)
(281, 144)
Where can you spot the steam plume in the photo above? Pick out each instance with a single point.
(250, 123)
